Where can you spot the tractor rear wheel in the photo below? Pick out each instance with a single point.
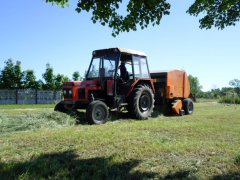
(188, 106)
(141, 102)
(97, 112)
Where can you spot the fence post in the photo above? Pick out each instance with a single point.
(54, 96)
(16, 96)
(36, 96)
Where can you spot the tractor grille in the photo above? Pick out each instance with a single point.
(67, 93)
(81, 93)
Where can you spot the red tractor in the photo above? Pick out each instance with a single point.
(120, 79)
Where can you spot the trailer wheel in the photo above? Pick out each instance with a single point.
(188, 106)
(60, 107)
(97, 112)
(142, 102)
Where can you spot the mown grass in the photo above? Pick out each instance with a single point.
(205, 145)
(25, 106)
(11, 122)
(203, 100)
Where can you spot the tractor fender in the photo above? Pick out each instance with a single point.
(148, 82)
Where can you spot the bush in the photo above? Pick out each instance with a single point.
(230, 100)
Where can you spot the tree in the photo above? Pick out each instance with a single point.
(18, 75)
(7, 74)
(40, 84)
(29, 80)
(66, 79)
(218, 13)
(216, 93)
(195, 86)
(49, 78)
(11, 75)
(142, 13)
(138, 13)
(226, 91)
(59, 80)
(76, 76)
(235, 83)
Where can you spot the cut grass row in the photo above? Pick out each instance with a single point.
(205, 145)
(26, 106)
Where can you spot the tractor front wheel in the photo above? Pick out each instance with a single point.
(60, 107)
(141, 102)
(97, 112)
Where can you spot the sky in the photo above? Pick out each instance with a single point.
(37, 33)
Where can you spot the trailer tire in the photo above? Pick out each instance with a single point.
(141, 102)
(188, 106)
(97, 112)
(60, 107)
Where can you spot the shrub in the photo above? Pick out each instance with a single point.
(230, 100)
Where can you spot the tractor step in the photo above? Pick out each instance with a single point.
(123, 104)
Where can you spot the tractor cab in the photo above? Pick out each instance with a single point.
(117, 69)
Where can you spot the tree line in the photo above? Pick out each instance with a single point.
(225, 94)
(12, 77)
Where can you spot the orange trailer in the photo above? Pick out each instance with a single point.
(172, 88)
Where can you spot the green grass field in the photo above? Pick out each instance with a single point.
(37, 143)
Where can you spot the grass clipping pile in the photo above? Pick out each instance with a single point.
(32, 121)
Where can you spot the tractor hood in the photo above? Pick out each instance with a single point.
(82, 84)
(79, 90)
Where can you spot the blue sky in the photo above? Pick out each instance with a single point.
(37, 33)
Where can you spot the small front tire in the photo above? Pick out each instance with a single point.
(60, 107)
(97, 112)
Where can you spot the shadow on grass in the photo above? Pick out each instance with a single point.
(80, 117)
(232, 175)
(229, 176)
(68, 165)
(162, 110)
(113, 116)
(159, 110)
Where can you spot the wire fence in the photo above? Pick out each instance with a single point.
(29, 96)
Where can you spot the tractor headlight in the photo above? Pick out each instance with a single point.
(70, 91)
(64, 92)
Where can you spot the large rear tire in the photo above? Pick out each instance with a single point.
(97, 112)
(141, 103)
(188, 106)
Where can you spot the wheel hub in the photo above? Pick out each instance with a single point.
(190, 107)
(99, 113)
(144, 102)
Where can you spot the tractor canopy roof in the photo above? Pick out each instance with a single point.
(119, 50)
